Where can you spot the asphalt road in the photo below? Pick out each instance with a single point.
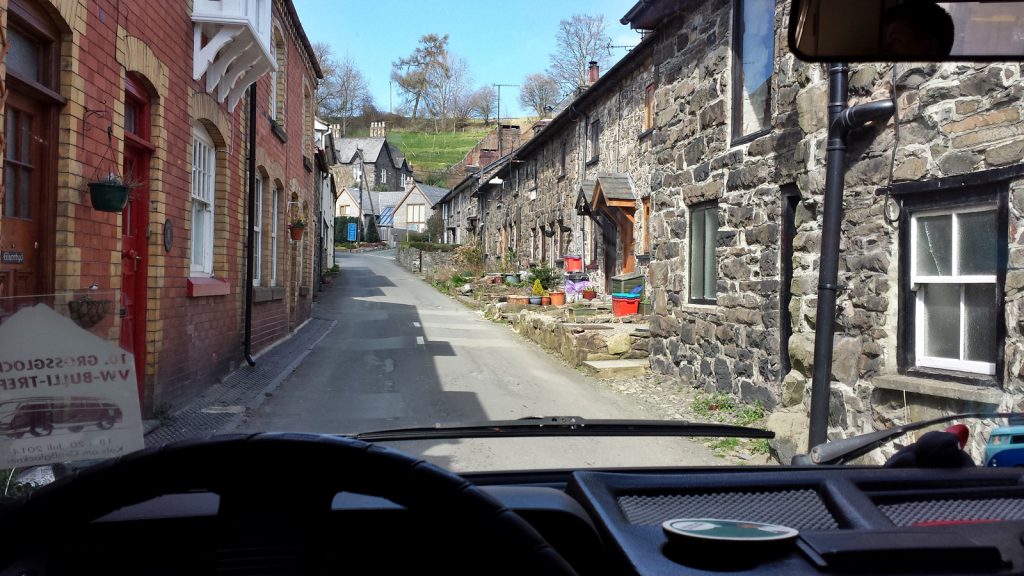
(403, 354)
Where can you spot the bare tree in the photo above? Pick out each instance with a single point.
(483, 103)
(580, 40)
(412, 73)
(343, 92)
(447, 84)
(538, 92)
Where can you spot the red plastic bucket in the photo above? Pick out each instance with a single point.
(573, 263)
(625, 306)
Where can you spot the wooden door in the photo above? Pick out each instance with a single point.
(27, 224)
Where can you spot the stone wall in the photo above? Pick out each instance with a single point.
(429, 264)
(954, 119)
(577, 343)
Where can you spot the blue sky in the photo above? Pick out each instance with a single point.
(501, 40)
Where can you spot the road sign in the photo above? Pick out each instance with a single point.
(352, 232)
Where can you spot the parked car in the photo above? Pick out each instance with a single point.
(41, 416)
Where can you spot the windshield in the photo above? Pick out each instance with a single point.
(321, 217)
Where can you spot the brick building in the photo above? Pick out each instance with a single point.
(156, 92)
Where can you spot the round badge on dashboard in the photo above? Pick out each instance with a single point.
(730, 530)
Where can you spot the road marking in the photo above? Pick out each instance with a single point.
(417, 325)
(420, 341)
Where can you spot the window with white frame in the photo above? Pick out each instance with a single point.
(275, 198)
(257, 236)
(703, 265)
(383, 176)
(954, 259)
(355, 173)
(204, 179)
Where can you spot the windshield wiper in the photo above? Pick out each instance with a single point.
(841, 451)
(565, 426)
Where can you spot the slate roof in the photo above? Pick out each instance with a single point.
(587, 189)
(371, 148)
(390, 197)
(433, 193)
(616, 186)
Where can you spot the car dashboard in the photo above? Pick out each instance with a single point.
(851, 520)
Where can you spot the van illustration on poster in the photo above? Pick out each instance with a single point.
(65, 393)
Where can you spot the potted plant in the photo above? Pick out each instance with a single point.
(111, 193)
(645, 306)
(545, 300)
(538, 292)
(589, 293)
(557, 297)
(297, 227)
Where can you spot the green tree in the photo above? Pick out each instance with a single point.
(371, 231)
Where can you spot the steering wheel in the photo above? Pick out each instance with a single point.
(280, 486)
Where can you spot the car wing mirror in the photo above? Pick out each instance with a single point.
(906, 30)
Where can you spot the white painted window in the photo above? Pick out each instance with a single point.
(275, 197)
(383, 176)
(401, 180)
(355, 173)
(703, 264)
(257, 237)
(204, 179)
(953, 275)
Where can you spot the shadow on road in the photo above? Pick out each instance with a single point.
(376, 370)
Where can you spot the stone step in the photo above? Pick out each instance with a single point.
(617, 368)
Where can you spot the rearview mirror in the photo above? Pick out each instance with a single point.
(905, 30)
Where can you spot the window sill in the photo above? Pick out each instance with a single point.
(644, 258)
(278, 131)
(267, 293)
(739, 140)
(199, 287)
(939, 388)
(561, 176)
(646, 133)
(307, 163)
(593, 160)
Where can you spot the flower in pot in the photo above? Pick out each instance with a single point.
(538, 292)
(296, 228)
(557, 297)
(111, 193)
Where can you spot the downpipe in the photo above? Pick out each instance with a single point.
(250, 266)
(841, 119)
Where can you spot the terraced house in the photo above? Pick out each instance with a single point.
(99, 88)
(699, 159)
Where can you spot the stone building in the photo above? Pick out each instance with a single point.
(103, 87)
(719, 133)
(554, 193)
(380, 164)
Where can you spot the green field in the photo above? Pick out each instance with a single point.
(427, 151)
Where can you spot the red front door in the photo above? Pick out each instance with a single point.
(134, 225)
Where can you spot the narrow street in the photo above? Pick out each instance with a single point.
(403, 354)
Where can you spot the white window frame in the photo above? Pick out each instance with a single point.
(257, 236)
(401, 180)
(275, 197)
(916, 280)
(383, 176)
(204, 196)
(355, 173)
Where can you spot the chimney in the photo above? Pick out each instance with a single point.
(378, 129)
(594, 71)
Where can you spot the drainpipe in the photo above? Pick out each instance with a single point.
(841, 119)
(250, 268)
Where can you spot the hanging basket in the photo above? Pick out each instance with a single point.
(296, 233)
(108, 197)
(88, 313)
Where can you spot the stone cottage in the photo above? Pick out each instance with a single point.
(719, 135)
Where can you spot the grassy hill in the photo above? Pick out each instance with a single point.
(428, 151)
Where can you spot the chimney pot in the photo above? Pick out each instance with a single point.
(594, 71)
